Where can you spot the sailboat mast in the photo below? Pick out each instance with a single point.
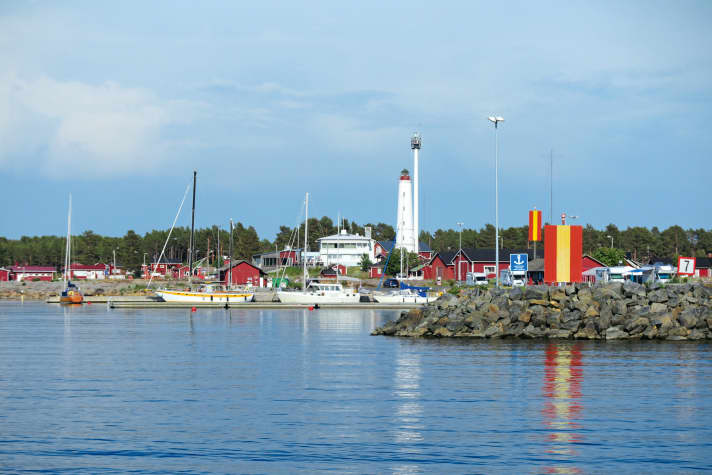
(192, 232)
(67, 252)
(304, 254)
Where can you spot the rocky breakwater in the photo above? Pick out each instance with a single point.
(610, 312)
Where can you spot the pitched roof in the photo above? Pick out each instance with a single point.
(165, 260)
(32, 269)
(237, 263)
(705, 262)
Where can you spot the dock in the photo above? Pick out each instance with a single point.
(261, 305)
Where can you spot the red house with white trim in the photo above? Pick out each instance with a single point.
(243, 273)
(4, 274)
(455, 265)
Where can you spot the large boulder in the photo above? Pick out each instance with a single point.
(588, 332)
(536, 292)
(615, 333)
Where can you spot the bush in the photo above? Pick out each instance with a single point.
(36, 279)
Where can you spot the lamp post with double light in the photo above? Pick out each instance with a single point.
(496, 120)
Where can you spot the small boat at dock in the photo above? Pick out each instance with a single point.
(206, 293)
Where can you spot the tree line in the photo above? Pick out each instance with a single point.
(132, 249)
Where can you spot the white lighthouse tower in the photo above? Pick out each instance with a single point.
(415, 143)
(404, 232)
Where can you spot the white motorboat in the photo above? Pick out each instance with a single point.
(401, 296)
(320, 293)
(205, 294)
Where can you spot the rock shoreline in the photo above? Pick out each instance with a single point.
(607, 312)
(42, 290)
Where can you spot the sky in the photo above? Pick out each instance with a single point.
(118, 102)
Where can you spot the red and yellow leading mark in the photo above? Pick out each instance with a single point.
(563, 253)
(535, 225)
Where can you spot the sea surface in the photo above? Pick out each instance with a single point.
(92, 390)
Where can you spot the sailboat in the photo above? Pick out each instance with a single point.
(208, 292)
(316, 292)
(71, 293)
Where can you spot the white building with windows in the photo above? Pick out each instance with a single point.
(346, 249)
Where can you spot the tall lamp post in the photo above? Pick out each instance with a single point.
(459, 272)
(611, 237)
(496, 120)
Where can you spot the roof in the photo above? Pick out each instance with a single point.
(388, 245)
(33, 269)
(536, 265)
(703, 262)
(165, 260)
(483, 254)
(601, 264)
(240, 262)
(101, 267)
(345, 237)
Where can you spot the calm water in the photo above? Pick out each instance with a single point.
(87, 389)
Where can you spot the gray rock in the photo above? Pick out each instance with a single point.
(588, 332)
(638, 325)
(658, 308)
(615, 333)
(687, 318)
(658, 296)
(537, 292)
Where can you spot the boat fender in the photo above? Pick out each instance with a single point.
(311, 308)
(316, 306)
(193, 309)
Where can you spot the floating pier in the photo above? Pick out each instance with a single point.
(261, 305)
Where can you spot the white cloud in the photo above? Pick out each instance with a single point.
(76, 129)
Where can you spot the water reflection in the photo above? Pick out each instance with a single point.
(563, 375)
(409, 410)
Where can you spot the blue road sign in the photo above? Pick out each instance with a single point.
(518, 262)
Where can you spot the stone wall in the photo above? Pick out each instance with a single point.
(613, 311)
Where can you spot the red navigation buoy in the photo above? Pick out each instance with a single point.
(193, 309)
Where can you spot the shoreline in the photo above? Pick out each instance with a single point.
(607, 312)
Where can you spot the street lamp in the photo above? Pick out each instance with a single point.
(611, 237)
(496, 120)
(459, 271)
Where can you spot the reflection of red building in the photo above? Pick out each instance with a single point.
(563, 375)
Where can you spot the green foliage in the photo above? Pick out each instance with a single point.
(609, 256)
(410, 259)
(365, 263)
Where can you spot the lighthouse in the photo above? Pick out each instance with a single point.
(404, 232)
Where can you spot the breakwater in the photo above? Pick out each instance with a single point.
(613, 311)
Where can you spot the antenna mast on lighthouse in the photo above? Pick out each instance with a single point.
(415, 143)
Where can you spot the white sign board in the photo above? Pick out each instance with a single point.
(686, 265)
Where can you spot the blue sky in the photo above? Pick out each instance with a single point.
(117, 102)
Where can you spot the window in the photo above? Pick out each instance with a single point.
(490, 269)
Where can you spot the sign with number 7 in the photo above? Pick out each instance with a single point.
(686, 265)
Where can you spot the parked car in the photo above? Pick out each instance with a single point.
(391, 283)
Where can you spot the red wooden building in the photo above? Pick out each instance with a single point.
(703, 265)
(4, 274)
(590, 263)
(32, 273)
(456, 264)
(243, 273)
(375, 271)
